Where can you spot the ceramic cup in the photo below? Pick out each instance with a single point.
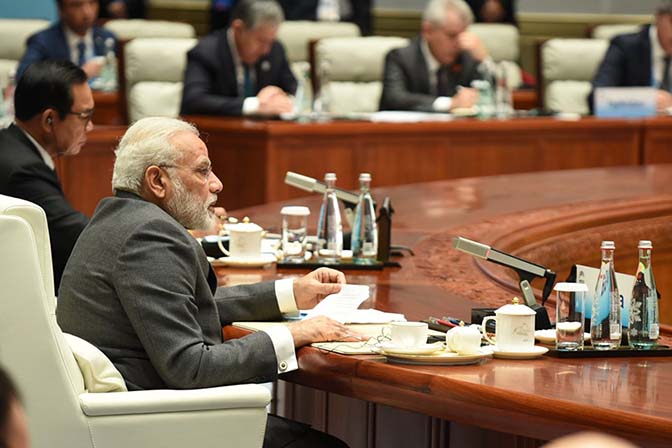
(244, 240)
(408, 334)
(465, 340)
(515, 328)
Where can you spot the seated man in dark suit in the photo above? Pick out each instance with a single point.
(242, 70)
(640, 59)
(54, 106)
(73, 38)
(435, 71)
(140, 288)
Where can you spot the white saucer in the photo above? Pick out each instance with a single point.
(424, 349)
(441, 358)
(244, 262)
(548, 336)
(536, 352)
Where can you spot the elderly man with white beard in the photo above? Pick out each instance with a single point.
(139, 287)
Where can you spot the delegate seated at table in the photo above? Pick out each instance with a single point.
(242, 70)
(640, 59)
(435, 71)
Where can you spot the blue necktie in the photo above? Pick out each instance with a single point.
(81, 53)
(248, 89)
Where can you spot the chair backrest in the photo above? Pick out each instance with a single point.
(32, 346)
(502, 42)
(14, 33)
(133, 28)
(566, 83)
(354, 67)
(154, 72)
(608, 31)
(296, 35)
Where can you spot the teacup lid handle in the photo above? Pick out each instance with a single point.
(516, 301)
(461, 323)
(246, 220)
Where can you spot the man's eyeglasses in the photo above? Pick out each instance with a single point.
(87, 115)
(204, 171)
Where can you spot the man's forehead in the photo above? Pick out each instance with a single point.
(190, 146)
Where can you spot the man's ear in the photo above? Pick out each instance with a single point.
(156, 182)
(47, 118)
(425, 30)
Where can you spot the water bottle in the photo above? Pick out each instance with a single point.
(605, 322)
(364, 231)
(329, 227)
(503, 99)
(328, 10)
(7, 106)
(643, 321)
(302, 100)
(108, 75)
(322, 98)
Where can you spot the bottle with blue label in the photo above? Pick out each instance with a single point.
(364, 231)
(605, 322)
(643, 328)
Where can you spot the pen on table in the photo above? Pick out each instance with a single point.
(445, 323)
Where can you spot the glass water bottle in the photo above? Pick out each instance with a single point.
(643, 321)
(329, 227)
(605, 322)
(365, 232)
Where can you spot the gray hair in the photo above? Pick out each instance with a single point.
(664, 8)
(254, 12)
(435, 11)
(147, 142)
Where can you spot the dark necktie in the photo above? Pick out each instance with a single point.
(81, 53)
(442, 81)
(665, 84)
(247, 82)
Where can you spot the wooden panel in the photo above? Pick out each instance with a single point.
(108, 111)
(658, 140)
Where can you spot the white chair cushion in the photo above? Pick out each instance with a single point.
(295, 35)
(500, 39)
(98, 372)
(14, 33)
(156, 59)
(573, 59)
(607, 32)
(359, 59)
(134, 28)
(568, 96)
(154, 99)
(354, 96)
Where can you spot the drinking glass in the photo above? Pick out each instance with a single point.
(294, 232)
(570, 315)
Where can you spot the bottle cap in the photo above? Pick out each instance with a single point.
(364, 177)
(645, 244)
(608, 245)
(330, 176)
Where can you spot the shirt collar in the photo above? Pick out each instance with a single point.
(232, 46)
(432, 64)
(43, 152)
(73, 38)
(656, 50)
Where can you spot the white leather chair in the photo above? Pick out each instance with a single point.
(154, 72)
(607, 32)
(502, 42)
(296, 35)
(13, 36)
(133, 28)
(568, 67)
(62, 411)
(354, 67)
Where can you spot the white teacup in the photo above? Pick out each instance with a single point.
(465, 340)
(515, 328)
(244, 240)
(408, 334)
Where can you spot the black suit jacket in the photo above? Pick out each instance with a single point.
(23, 174)
(210, 84)
(406, 82)
(307, 10)
(627, 63)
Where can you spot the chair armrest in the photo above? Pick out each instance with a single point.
(164, 400)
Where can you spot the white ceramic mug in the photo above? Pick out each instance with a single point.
(408, 334)
(464, 340)
(244, 240)
(512, 333)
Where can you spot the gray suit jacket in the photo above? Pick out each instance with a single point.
(140, 288)
(406, 84)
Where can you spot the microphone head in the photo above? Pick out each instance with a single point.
(471, 247)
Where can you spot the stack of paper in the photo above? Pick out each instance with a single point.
(343, 305)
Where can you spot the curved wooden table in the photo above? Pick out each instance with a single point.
(555, 218)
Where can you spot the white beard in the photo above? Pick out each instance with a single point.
(187, 209)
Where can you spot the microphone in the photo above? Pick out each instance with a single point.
(491, 254)
(315, 186)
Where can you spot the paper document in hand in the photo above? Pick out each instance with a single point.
(347, 299)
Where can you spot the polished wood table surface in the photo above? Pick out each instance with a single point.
(539, 399)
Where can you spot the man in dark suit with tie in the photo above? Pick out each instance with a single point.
(640, 59)
(73, 38)
(242, 70)
(54, 106)
(435, 71)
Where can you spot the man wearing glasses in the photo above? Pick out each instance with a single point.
(54, 106)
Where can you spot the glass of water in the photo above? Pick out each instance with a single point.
(569, 315)
(294, 232)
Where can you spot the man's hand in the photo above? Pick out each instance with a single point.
(464, 98)
(313, 287)
(93, 67)
(472, 43)
(663, 100)
(321, 329)
(273, 100)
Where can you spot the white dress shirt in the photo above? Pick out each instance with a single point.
(43, 152)
(251, 103)
(283, 342)
(73, 40)
(657, 58)
(441, 103)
